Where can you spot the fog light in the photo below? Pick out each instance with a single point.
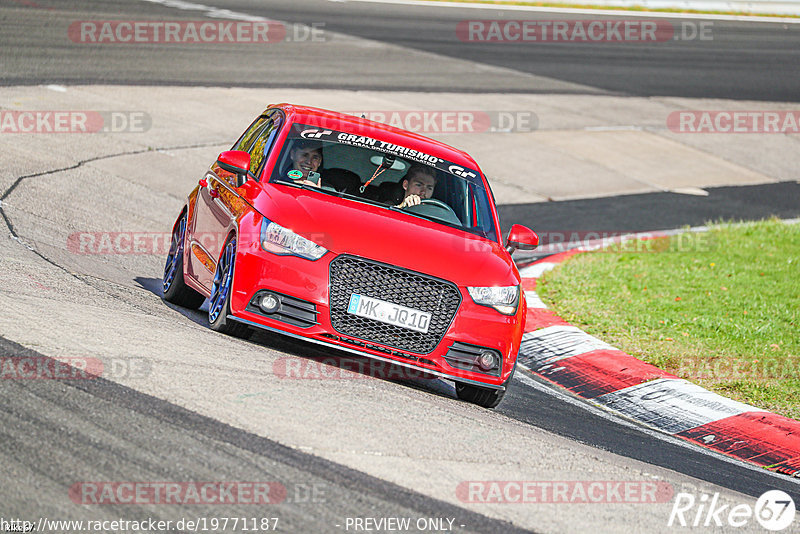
(269, 303)
(487, 360)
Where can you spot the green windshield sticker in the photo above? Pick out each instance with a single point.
(294, 174)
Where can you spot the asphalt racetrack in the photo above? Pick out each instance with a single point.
(743, 61)
(181, 403)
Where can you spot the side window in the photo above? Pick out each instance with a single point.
(262, 146)
(258, 139)
(246, 141)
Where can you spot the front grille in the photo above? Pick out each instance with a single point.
(438, 297)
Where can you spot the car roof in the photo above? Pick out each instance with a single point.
(346, 123)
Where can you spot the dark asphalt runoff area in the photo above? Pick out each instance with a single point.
(79, 432)
(656, 211)
(96, 428)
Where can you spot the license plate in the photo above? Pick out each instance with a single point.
(389, 313)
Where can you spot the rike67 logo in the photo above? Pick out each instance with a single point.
(774, 510)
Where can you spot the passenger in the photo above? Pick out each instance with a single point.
(418, 184)
(306, 157)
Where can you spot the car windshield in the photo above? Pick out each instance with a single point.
(374, 171)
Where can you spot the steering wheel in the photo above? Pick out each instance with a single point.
(433, 208)
(438, 203)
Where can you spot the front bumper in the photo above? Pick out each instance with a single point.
(308, 282)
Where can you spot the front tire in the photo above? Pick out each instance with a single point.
(173, 285)
(485, 397)
(220, 301)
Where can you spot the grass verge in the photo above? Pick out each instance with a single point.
(719, 308)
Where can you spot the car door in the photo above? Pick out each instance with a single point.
(220, 201)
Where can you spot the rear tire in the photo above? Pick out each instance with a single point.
(485, 397)
(220, 301)
(173, 285)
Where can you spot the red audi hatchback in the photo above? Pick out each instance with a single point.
(358, 236)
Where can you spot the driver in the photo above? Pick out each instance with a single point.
(418, 184)
(306, 157)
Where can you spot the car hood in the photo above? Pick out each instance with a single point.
(345, 226)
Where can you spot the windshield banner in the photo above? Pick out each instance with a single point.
(362, 141)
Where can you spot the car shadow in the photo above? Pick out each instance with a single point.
(315, 361)
(312, 361)
(153, 285)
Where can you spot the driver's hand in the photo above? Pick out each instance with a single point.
(306, 182)
(410, 200)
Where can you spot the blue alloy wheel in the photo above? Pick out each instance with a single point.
(223, 278)
(175, 257)
(174, 287)
(219, 303)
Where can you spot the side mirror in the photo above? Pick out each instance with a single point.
(236, 162)
(522, 238)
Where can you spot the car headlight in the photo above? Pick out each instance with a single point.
(503, 299)
(279, 240)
